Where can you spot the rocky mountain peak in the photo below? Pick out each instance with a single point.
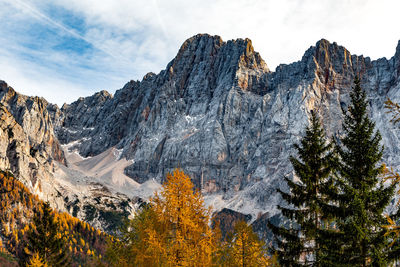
(333, 65)
(6, 92)
(28, 146)
(199, 41)
(397, 59)
(216, 111)
(195, 54)
(397, 54)
(251, 68)
(216, 60)
(3, 85)
(329, 55)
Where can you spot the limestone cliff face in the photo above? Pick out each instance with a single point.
(30, 149)
(28, 144)
(219, 113)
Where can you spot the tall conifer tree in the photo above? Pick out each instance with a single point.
(299, 244)
(360, 238)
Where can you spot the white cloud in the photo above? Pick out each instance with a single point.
(132, 38)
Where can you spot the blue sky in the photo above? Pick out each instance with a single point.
(64, 49)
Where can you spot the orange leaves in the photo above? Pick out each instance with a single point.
(185, 222)
(244, 248)
(390, 174)
(392, 228)
(173, 230)
(36, 261)
(17, 205)
(394, 109)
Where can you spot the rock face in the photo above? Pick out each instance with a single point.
(30, 149)
(220, 114)
(227, 219)
(28, 144)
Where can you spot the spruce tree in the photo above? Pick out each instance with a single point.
(299, 244)
(360, 239)
(44, 238)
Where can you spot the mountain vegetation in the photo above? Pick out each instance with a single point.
(43, 239)
(302, 242)
(217, 111)
(362, 195)
(335, 210)
(26, 222)
(339, 203)
(174, 230)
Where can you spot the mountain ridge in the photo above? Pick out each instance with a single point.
(218, 112)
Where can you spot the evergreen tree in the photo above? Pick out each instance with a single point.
(300, 244)
(45, 240)
(360, 239)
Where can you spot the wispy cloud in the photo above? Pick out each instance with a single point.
(63, 49)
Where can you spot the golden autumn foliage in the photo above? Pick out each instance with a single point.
(392, 228)
(393, 108)
(132, 249)
(174, 230)
(17, 206)
(186, 239)
(243, 248)
(36, 261)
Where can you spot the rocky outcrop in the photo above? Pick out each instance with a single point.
(226, 219)
(30, 149)
(29, 145)
(219, 113)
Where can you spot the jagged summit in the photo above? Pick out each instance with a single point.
(216, 111)
(206, 45)
(397, 55)
(215, 60)
(5, 89)
(331, 55)
(3, 85)
(397, 60)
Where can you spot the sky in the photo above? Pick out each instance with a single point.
(65, 49)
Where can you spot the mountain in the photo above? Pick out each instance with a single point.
(30, 149)
(216, 111)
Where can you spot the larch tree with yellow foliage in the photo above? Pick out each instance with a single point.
(173, 230)
(244, 249)
(180, 210)
(132, 248)
(37, 261)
